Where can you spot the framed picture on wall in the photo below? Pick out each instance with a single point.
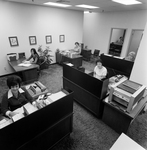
(13, 41)
(62, 38)
(48, 39)
(32, 40)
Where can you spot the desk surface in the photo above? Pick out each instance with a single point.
(134, 113)
(14, 65)
(126, 143)
(74, 56)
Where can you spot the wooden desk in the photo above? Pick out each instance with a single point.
(76, 60)
(116, 65)
(42, 129)
(125, 143)
(119, 120)
(88, 91)
(28, 74)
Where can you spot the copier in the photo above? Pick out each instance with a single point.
(126, 94)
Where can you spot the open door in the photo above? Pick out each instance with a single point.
(135, 40)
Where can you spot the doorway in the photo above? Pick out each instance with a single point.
(135, 40)
(117, 38)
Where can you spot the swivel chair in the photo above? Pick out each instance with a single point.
(95, 55)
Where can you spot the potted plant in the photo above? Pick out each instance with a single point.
(45, 57)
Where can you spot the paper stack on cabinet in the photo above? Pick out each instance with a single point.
(57, 96)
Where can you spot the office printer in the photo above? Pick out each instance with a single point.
(126, 94)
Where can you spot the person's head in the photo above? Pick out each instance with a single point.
(99, 63)
(76, 43)
(33, 51)
(14, 83)
(131, 56)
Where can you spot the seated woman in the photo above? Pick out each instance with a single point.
(15, 97)
(77, 48)
(131, 56)
(34, 56)
(100, 71)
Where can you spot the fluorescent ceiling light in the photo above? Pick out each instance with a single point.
(57, 4)
(127, 2)
(87, 6)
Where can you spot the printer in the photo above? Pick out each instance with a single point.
(126, 94)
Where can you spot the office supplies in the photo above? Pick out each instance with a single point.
(126, 94)
(35, 89)
(29, 108)
(17, 117)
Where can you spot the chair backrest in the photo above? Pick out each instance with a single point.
(21, 55)
(12, 56)
(96, 52)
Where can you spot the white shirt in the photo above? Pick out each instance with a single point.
(100, 73)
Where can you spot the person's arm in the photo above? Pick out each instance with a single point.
(104, 73)
(4, 107)
(35, 60)
(28, 97)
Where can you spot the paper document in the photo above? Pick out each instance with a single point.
(19, 110)
(57, 96)
(17, 117)
(69, 64)
(24, 65)
(5, 123)
(29, 108)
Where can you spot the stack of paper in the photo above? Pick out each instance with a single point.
(57, 96)
(24, 65)
(17, 117)
(69, 64)
(29, 108)
(4, 123)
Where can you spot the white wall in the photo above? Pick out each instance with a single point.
(139, 72)
(23, 20)
(97, 28)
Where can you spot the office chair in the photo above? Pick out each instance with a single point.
(21, 55)
(95, 55)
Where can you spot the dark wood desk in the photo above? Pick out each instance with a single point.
(119, 120)
(88, 91)
(75, 60)
(42, 129)
(116, 65)
(28, 74)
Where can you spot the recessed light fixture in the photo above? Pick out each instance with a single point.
(87, 6)
(127, 2)
(57, 4)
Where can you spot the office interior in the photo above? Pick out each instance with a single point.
(92, 29)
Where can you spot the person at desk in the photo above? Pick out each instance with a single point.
(120, 41)
(15, 97)
(100, 71)
(77, 48)
(34, 56)
(131, 56)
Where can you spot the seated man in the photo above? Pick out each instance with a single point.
(15, 97)
(100, 71)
